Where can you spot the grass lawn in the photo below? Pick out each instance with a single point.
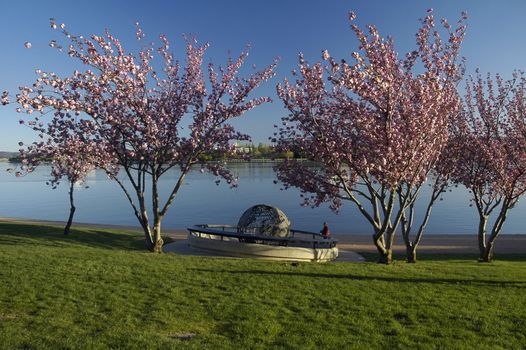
(99, 289)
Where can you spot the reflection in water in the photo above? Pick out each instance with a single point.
(201, 201)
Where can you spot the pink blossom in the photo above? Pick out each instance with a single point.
(375, 128)
(126, 115)
(490, 135)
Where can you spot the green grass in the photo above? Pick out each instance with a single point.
(98, 289)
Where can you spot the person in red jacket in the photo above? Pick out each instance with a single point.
(325, 231)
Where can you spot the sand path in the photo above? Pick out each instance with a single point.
(348, 243)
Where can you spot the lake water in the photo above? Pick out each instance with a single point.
(201, 201)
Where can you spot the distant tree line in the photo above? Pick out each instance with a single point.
(249, 151)
(244, 151)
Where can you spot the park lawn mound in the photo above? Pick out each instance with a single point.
(100, 289)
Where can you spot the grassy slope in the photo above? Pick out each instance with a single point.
(99, 289)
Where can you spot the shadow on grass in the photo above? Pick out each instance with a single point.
(53, 235)
(401, 258)
(368, 278)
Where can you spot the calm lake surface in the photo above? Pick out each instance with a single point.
(200, 200)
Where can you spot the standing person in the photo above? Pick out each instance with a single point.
(325, 231)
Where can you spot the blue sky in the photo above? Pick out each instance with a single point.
(495, 39)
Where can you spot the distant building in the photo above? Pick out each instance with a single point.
(242, 148)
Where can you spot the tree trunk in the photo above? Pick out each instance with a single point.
(410, 247)
(145, 223)
(411, 253)
(483, 220)
(385, 251)
(71, 209)
(386, 257)
(157, 218)
(152, 236)
(488, 253)
(157, 239)
(407, 225)
(147, 235)
(154, 242)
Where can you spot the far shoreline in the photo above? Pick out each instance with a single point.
(445, 243)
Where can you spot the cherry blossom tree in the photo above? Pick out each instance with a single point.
(70, 159)
(147, 121)
(374, 129)
(71, 155)
(492, 158)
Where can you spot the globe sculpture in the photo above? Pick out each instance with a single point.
(263, 232)
(264, 220)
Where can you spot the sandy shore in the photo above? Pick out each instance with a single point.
(439, 244)
(431, 243)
